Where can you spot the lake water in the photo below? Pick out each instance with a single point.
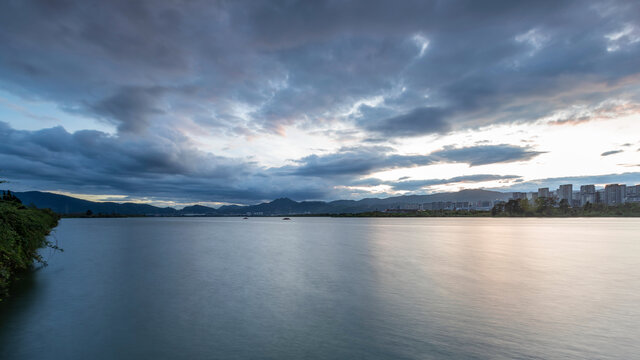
(323, 288)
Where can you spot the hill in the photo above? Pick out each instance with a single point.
(62, 204)
(69, 205)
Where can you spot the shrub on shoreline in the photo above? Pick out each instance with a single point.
(23, 230)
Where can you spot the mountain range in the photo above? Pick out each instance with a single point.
(63, 204)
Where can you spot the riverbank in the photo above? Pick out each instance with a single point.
(23, 230)
(515, 208)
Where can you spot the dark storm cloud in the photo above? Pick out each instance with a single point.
(358, 161)
(355, 161)
(423, 67)
(417, 122)
(413, 185)
(438, 66)
(132, 108)
(486, 154)
(612, 152)
(166, 166)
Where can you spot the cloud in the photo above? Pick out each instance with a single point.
(420, 121)
(364, 160)
(164, 74)
(264, 66)
(412, 185)
(605, 110)
(485, 154)
(131, 108)
(612, 152)
(354, 161)
(167, 166)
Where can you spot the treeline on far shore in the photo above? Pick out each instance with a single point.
(512, 208)
(91, 214)
(519, 208)
(549, 207)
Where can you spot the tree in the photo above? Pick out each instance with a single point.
(526, 206)
(564, 206)
(497, 209)
(512, 207)
(8, 196)
(544, 205)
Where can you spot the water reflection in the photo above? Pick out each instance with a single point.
(496, 285)
(331, 288)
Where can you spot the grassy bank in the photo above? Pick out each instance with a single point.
(23, 231)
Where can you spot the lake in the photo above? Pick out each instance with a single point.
(331, 288)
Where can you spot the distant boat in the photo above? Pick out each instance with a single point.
(286, 219)
(245, 218)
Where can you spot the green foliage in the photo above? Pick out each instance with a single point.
(513, 207)
(545, 205)
(22, 232)
(8, 196)
(564, 206)
(549, 207)
(497, 209)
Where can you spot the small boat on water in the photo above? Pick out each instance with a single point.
(286, 219)
(245, 218)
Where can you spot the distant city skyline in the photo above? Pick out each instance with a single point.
(174, 103)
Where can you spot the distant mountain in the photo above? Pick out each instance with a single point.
(198, 210)
(69, 205)
(285, 206)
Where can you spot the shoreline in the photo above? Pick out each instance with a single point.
(23, 231)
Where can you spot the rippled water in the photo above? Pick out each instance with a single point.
(323, 288)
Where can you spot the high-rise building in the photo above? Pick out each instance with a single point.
(587, 194)
(543, 193)
(633, 190)
(575, 199)
(633, 194)
(615, 194)
(565, 192)
(519, 196)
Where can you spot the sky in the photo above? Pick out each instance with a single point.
(238, 102)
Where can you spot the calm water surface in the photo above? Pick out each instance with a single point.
(322, 288)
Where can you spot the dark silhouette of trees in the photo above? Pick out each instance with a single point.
(513, 207)
(8, 196)
(545, 205)
(498, 208)
(564, 206)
